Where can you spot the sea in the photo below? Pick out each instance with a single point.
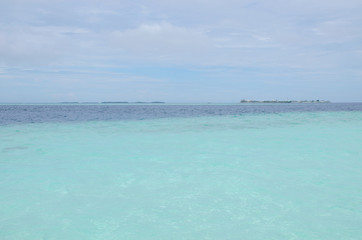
(181, 171)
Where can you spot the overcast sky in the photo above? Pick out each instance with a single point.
(180, 51)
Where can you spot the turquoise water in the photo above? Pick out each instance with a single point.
(295, 175)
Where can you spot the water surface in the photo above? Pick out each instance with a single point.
(181, 172)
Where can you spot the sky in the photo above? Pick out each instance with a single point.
(180, 51)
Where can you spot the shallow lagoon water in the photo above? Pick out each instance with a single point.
(281, 175)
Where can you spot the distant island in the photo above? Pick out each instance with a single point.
(284, 101)
(119, 102)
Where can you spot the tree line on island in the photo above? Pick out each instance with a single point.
(283, 101)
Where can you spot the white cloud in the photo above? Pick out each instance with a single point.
(229, 33)
(281, 39)
(25, 44)
(159, 41)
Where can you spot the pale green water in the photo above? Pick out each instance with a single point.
(264, 176)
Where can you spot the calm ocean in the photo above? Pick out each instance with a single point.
(181, 172)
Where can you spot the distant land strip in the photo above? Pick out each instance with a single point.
(111, 102)
(284, 101)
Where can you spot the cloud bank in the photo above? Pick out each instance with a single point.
(245, 45)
